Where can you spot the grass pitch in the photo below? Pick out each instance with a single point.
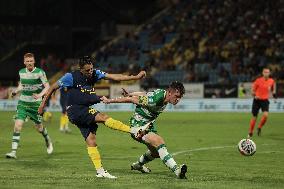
(206, 142)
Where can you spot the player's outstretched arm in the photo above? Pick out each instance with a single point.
(53, 88)
(43, 92)
(126, 93)
(121, 77)
(129, 99)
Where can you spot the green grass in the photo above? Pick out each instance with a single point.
(194, 134)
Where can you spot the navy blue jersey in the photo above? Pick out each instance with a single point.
(80, 89)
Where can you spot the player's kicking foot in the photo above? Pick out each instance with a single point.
(258, 131)
(49, 148)
(105, 174)
(139, 132)
(11, 155)
(182, 171)
(141, 168)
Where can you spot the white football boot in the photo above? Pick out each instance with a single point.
(49, 148)
(105, 174)
(11, 155)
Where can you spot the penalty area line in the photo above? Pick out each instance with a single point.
(208, 148)
(201, 149)
(130, 157)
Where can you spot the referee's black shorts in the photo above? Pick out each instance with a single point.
(259, 104)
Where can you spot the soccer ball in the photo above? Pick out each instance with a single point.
(247, 147)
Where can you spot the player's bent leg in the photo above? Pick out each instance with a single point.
(252, 125)
(158, 142)
(153, 139)
(144, 159)
(15, 138)
(118, 125)
(112, 123)
(255, 109)
(41, 129)
(95, 156)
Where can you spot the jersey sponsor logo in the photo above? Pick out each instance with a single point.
(31, 75)
(33, 87)
(92, 111)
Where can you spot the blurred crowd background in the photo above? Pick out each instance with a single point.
(214, 42)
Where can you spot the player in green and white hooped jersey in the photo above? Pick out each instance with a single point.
(148, 107)
(33, 85)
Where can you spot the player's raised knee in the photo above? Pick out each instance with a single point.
(154, 139)
(101, 117)
(159, 140)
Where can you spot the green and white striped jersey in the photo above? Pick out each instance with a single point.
(149, 108)
(32, 83)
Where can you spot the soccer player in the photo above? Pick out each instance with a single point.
(64, 118)
(261, 88)
(148, 107)
(80, 96)
(33, 85)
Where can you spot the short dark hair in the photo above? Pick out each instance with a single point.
(85, 60)
(177, 86)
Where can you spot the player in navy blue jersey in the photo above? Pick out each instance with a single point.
(80, 96)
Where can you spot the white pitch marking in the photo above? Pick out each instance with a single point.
(202, 149)
(128, 157)
(208, 148)
(270, 152)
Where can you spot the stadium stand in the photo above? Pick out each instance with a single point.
(197, 41)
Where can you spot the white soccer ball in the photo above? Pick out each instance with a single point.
(247, 147)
